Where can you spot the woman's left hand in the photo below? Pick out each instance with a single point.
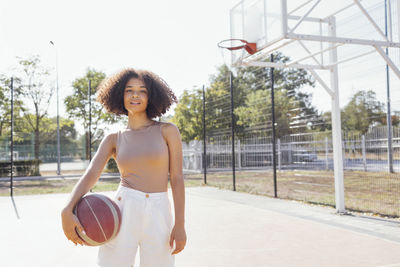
(179, 235)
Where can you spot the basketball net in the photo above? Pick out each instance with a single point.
(233, 51)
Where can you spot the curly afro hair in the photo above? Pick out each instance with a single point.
(111, 92)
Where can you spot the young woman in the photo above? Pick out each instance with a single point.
(146, 151)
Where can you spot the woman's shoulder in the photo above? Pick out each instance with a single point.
(167, 126)
(111, 137)
(113, 134)
(169, 129)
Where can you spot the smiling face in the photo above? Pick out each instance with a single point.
(135, 96)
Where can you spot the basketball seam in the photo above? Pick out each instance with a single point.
(114, 213)
(88, 240)
(98, 222)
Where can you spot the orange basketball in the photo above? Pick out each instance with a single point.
(100, 218)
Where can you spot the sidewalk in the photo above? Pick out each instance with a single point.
(224, 228)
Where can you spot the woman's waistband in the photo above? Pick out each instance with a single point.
(141, 194)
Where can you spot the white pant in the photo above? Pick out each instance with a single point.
(146, 222)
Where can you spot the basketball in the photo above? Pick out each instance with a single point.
(100, 218)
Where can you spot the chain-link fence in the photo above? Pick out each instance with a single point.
(305, 167)
(309, 151)
(41, 150)
(239, 106)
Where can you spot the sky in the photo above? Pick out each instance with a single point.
(176, 39)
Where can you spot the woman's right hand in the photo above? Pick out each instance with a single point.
(69, 223)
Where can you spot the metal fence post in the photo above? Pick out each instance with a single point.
(199, 154)
(239, 155)
(7, 146)
(212, 156)
(326, 154)
(279, 154)
(363, 152)
(32, 146)
(204, 138)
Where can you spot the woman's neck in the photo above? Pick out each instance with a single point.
(138, 121)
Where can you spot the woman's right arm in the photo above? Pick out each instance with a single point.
(87, 181)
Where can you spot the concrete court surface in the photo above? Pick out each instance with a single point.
(224, 228)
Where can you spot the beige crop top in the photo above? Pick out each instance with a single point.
(142, 157)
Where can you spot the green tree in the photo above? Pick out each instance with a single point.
(36, 92)
(396, 118)
(187, 115)
(363, 111)
(5, 104)
(68, 135)
(293, 108)
(48, 138)
(327, 122)
(77, 106)
(254, 113)
(251, 101)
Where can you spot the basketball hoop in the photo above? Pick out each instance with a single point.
(233, 45)
(236, 44)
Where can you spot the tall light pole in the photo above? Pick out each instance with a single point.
(58, 120)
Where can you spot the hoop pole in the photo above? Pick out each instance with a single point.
(232, 131)
(321, 44)
(388, 111)
(336, 126)
(273, 128)
(284, 17)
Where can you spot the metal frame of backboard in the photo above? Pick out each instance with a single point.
(287, 36)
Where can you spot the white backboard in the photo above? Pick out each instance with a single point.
(276, 25)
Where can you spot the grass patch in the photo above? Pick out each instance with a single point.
(66, 185)
(369, 192)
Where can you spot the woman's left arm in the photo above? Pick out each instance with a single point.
(173, 137)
